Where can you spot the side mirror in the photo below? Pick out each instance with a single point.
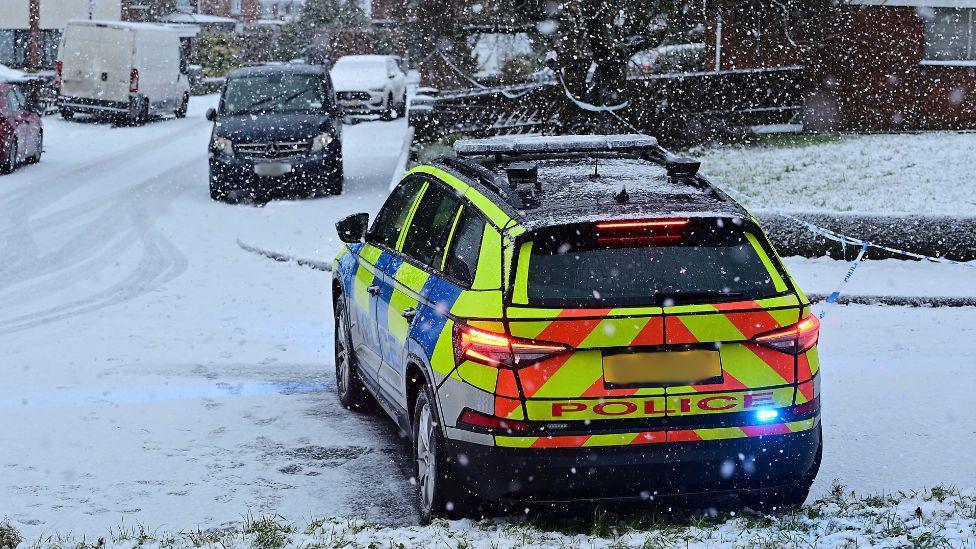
(212, 114)
(352, 229)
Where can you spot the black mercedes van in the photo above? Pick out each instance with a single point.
(277, 132)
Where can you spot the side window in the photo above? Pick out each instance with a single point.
(427, 235)
(20, 99)
(386, 229)
(462, 260)
(13, 103)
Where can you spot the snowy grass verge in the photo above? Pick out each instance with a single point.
(939, 517)
(927, 173)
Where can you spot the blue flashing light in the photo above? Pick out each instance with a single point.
(767, 415)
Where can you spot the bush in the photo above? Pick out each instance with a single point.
(217, 53)
(9, 536)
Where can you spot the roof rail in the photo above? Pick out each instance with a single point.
(485, 176)
(554, 144)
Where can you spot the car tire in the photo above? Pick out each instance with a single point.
(438, 491)
(390, 112)
(36, 157)
(788, 497)
(402, 110)
(66, 114)
(9, 163)
(181, 110)
(349, 386)
(336, 179)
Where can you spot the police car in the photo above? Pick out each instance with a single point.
(572, 318)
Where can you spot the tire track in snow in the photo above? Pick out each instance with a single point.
(122, 223)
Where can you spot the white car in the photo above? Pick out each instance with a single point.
(371, 84)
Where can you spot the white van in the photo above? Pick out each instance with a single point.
(128, 70)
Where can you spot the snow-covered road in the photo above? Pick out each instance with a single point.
(153, 370)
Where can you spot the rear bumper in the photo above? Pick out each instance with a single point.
(636, 472)
(95, 106)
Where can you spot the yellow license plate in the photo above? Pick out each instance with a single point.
(664, 368)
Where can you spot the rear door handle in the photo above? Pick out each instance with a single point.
(373, 290)
(409, 313)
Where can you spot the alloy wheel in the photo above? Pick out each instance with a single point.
(342, 353)
(426, 458)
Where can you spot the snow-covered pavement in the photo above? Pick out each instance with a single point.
(154, 370)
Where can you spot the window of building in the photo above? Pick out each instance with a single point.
(949, 35)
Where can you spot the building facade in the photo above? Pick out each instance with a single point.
(18, 26)
(885, 65)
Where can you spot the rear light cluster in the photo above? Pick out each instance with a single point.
(500, 350)
(134, 81)
(473, 418)
(792, 340)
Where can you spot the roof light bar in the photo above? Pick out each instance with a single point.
(536, 144)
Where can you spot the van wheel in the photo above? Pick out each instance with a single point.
(349, 386)
(9, 163)
(181, 110)
(439, 493)
(337, 178)
(67, 114)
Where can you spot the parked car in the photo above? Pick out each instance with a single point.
(371, 84)
(21, 133)
(129, 71)
(578, 318)
(277, 130)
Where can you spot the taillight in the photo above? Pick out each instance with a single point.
(627, 224)
(60, 68)
(640, 231)
(134, 81)
(500, 350)
(793, 340)
(473, 418)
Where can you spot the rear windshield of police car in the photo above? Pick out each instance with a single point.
(613, 265)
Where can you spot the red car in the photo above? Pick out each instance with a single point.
(21, 135)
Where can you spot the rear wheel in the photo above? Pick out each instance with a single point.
(349, 386)
(66, 113)
(438, 491)
(9, 163)
(36, 157)
(784, 498)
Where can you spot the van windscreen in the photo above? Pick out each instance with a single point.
(274, 93)
(654, 264)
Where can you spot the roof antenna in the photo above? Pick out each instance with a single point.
(596, 169)
(622, 197)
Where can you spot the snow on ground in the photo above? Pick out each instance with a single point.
(887, 277)
(156, 373)
(930, 173)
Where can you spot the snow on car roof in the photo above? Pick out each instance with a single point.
(570, 193)
(357, 59)
(552, 143)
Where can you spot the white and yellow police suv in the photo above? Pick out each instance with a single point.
(578, 318)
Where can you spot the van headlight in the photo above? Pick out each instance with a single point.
(222, 145)
(321, 141)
